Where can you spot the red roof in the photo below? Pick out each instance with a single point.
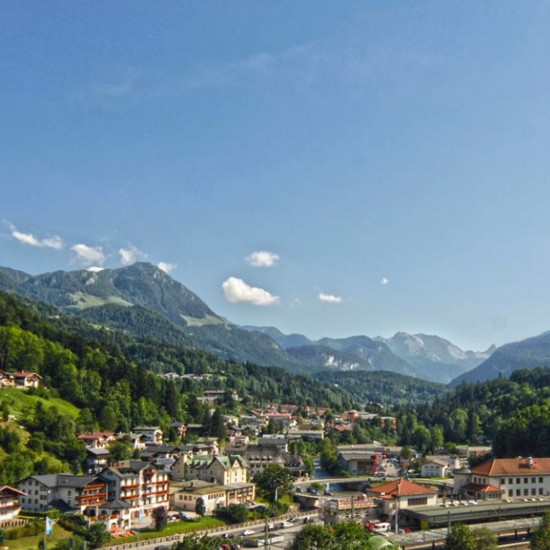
(402, 487)
(513, 466)
(8, 489)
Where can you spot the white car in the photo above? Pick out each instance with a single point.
(248, 532)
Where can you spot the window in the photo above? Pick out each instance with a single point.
(511, 480)
(420, 501)
(518, 492)
(510, 492)
(502, 481)
(525, 480)
(525, 492)
(540, 479)
(540, 491)
(533, 480)
(533, 492)
(518, 480)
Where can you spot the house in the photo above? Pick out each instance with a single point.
(151, 434)
(434, 468)
(274, 440)
(184, 495)
(220, 469)
(9, 503)
(114, 514)
(358, 462)
(97, 440)
(400, 494)
(26, 380)
(67, 492)
(139, 483)
(258, 457)
(504, 478)
(97, 458)
(7, 380)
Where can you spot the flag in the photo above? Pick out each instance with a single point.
(49, 526)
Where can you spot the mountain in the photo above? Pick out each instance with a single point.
(319, 358)
(434, 357)
(145, 301)
(284, 340)
(353, 353)
(526, 354)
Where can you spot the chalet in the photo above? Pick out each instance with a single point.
(400, 494)
(114, 514)
(25, 380)
(9, 503)
(151, 434)
(139, 483)
(504, 478)
(66, 492)
(97, 440)
(7, 380)
(97, 458)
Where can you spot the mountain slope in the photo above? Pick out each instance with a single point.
(145, 301)
(355, 352)
(526, 354)
(434, 357)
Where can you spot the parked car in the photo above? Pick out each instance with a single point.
(248, 532)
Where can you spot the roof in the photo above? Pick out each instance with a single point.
(8, 489)
(98, 452)
(26, 374)
(64, 480)
(96, 435)
(480, 488)
(401, 487)
(513, 466)
(115, 504)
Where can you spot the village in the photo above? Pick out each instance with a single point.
(195, 475)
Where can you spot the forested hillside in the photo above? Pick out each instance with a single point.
(514, 413)
(106, 376)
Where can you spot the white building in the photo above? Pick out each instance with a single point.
(139, 483)
(504, 478)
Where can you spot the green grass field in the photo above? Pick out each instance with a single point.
(28, 543)
(21, 403)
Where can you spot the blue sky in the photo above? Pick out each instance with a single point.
(390, 158)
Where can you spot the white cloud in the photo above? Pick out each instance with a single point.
(88, 255)
(330, 298)
(131, 255)
(384, 281)
(262, 258)
(95, 269)
(236, 290)
(54, 242)
(166, 267)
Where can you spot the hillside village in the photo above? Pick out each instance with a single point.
(198, 475)
(92, 436)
